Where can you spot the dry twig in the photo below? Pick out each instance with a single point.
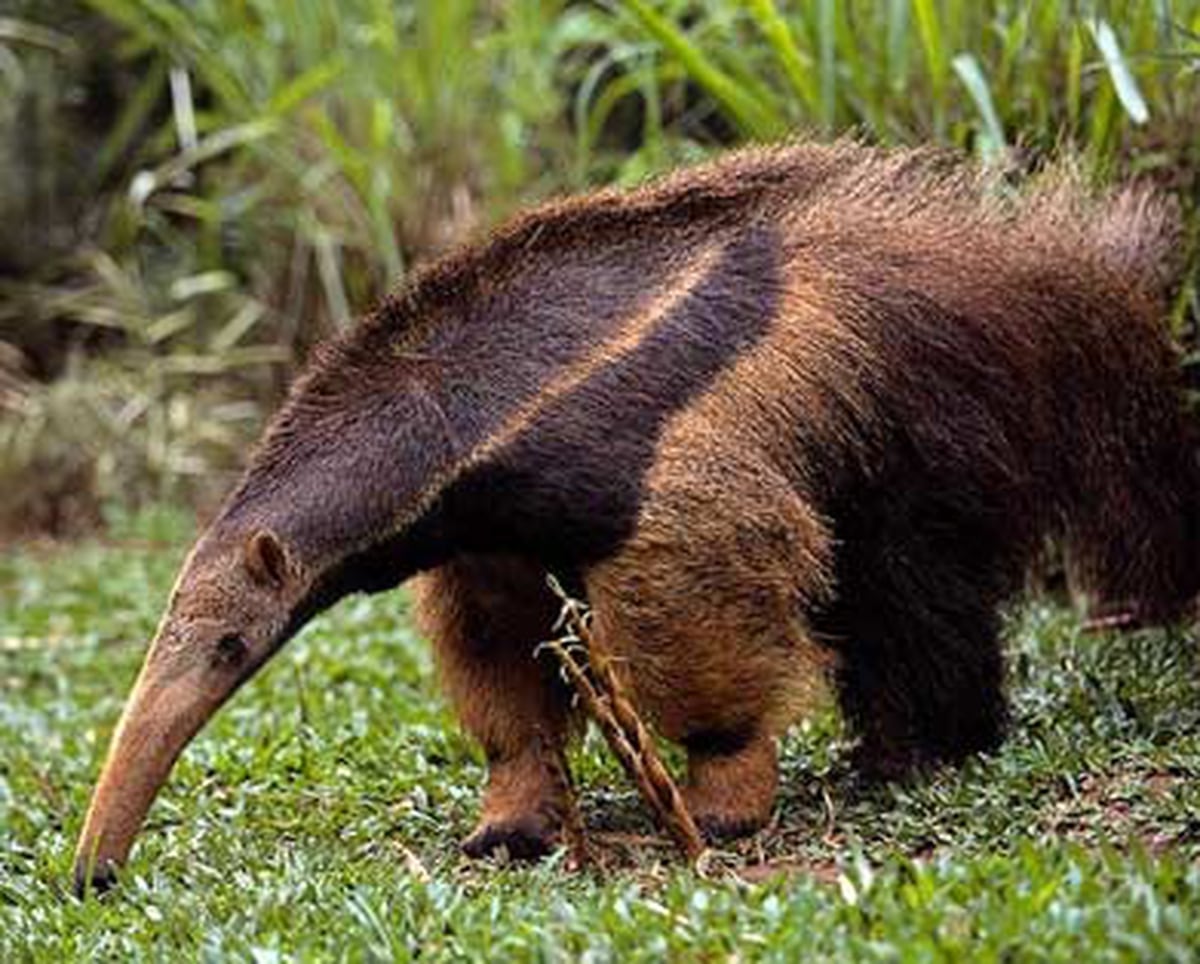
(590, 672)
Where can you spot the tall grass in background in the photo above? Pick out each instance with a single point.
(282, 163)
(1117, 82)
(353, 135)
(273, 165)
(990, 72)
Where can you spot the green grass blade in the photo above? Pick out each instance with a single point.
(1128, 92)
(897, 44)
(1102, 124)
(1074, 77)
(783, 44)
(971, 74)
(930, 28)
(827, 45)
(17, 31)
(352, 162)
(133, 117)
(310, 83)
(222, 142)
(747, 112)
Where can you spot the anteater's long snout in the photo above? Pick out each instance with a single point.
(165, 710)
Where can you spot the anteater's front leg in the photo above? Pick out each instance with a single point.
(703, 611)
(486, 616)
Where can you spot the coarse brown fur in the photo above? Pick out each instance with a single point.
(804, 407)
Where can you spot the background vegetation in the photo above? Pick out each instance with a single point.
(195, 193)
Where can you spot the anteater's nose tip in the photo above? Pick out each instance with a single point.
(97, 879)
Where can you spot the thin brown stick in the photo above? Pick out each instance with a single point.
(579, 853)
(590, 672)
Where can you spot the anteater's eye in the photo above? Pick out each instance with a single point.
(231, 649)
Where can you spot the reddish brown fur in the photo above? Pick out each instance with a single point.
(799, 406)
(486, 614)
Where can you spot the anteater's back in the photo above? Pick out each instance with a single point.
(899, 335)
(973, 360)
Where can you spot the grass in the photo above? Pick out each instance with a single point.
(269, 170)
(319, 816)
(988, 73)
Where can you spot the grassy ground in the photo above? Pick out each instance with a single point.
(319, 816)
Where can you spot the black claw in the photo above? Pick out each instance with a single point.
(96, 880)
(715, 829)
(525, 839)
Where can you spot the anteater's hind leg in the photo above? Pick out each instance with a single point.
(922, 672)
(703, 611)
(1132, 507)
(486, 616)
(1133, 543)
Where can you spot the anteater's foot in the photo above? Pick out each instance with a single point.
(526, 837)
(891, 759)
(98, 880)
(885, 761)
(731, 788)
(523, 808)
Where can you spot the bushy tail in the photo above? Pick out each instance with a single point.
(1138, 232)
(1133, 232)
(1136, 537)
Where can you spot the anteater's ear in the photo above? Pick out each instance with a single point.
(266, 559)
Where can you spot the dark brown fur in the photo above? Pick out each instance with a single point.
(800, 407)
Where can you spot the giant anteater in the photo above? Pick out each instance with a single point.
(804, 408)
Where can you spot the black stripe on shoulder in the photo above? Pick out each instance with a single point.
(568, 490)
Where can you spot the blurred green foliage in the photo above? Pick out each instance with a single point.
(991, 73)
(198, 192)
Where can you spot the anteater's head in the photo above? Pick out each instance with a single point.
(234, 604)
